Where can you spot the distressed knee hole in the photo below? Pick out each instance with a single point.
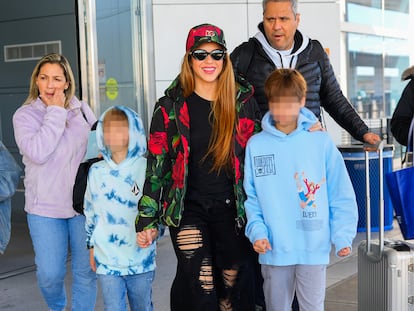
(206, 275)
(225, 305)
(230, 277)
(188, 240)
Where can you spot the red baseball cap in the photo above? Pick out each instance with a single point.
(204, 33)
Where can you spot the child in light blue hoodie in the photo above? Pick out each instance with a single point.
(113, 190)
(300, 199)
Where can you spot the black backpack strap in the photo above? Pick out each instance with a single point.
(79, 187)
(84, 115)
(93, 128)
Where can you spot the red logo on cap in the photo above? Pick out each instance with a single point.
(210, 33)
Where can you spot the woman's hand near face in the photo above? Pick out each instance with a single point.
(58, 99)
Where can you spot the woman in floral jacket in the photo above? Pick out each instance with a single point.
(194, 179)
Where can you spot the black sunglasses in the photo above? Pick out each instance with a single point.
(202, 54)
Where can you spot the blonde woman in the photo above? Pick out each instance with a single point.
(51, 130)
(197, 142)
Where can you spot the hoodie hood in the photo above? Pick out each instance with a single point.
(305, 121)
(283, 59)
(137, 146)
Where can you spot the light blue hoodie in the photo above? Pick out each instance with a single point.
(111, 199)
(299, 194)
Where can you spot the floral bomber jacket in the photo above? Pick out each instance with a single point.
(164, 190)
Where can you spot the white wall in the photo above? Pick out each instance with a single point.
(320, 19)
(173, 20)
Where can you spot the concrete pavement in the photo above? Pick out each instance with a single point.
(19, 291)
(18, 287)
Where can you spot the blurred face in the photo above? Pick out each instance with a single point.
(285, 111)
(50, 80)
(280, 24)
(208, 69)
(116, 135)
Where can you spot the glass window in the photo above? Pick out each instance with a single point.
(374, 73)
(114, 38)
(364, 12)
(376, 57)
(397, 6)
(394, 15)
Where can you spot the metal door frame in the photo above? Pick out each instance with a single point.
(143, 56)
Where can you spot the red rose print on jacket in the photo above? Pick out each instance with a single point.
(237, 169)
(165, 117)
(158, 142)
(185, 147)
(245, 131)
(184, 116)
(178, 172)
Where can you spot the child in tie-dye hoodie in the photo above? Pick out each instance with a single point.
(113, 190)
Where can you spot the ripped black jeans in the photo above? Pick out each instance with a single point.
(212, 260)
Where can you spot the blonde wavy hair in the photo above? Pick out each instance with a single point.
(52, 58)
(221, 144)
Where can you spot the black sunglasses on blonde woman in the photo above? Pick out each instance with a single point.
(202, 54)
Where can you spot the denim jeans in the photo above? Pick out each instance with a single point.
(116, 288)
(5, 224)
(51, 238)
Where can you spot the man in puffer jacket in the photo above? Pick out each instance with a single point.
(279, 44)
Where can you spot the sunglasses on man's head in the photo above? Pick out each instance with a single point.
(202, 54)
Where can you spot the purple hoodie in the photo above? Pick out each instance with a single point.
(53, 142)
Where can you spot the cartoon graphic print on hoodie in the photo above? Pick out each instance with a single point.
(111, 199)
(301, 199)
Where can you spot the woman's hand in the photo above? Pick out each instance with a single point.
(146, 237)
(57, 99)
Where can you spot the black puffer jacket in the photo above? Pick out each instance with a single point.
(403, 114)
(250, 60)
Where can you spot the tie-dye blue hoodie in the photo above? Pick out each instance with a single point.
(111, 200)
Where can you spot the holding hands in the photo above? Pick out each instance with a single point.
(146, 237)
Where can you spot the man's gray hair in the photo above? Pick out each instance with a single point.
(294, 4)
